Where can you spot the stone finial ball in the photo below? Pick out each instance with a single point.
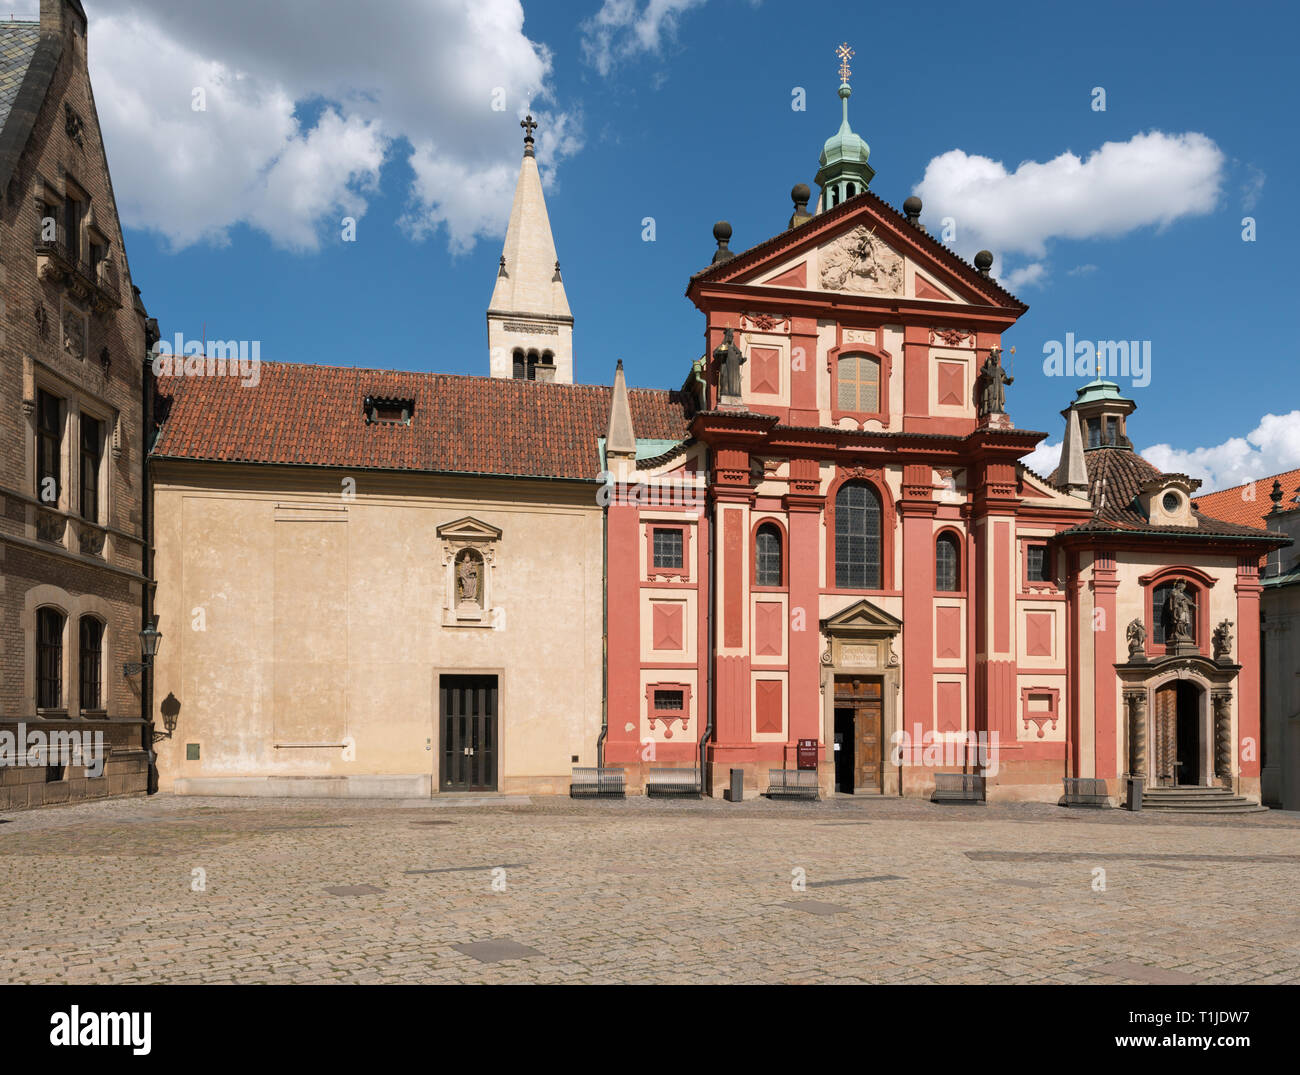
(800, 193)
(722, 231)
(912, 207)
(984, 260)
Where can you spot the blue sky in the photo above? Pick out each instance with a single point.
(680, 110)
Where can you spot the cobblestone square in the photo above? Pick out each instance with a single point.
(498, 890)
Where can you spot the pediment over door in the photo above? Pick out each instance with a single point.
(861, 636)
(468, 529)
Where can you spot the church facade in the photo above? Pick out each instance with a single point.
(822, 554)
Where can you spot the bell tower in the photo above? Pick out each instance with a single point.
(530, 328)
(844, 170)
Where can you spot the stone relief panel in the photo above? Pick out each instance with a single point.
(860, 263)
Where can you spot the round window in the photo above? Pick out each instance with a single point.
(1172, 502)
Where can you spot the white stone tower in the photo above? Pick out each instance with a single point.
(530, 328)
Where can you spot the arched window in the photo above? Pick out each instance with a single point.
(947, 564)
(767, 556)
(532, 365)
(858, 383)
(857, 537)
(519, 369)
(91, 662)
(49, 658)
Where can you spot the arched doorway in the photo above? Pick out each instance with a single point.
(1180, 734)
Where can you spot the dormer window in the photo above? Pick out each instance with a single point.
(1167, 499)
(389, 411)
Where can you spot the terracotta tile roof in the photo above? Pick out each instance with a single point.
(1115, 476)
(1247, 504)
(302, 415)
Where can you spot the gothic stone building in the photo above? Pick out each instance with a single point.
(72, 343)
(823, 551)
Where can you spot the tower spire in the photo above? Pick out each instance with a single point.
(844, 169)
(530, 326)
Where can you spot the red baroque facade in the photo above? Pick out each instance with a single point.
(867, 564)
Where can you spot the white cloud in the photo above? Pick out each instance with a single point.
(1270, 448)
(621, 30)
(1082, 270)
(1252, 188)
(1151, 180)
(303, 109)
(1031, 275)
(1043, 459)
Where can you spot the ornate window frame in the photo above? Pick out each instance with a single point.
(1199, 584)
(760, 522)
(481, 540)
(883, 361)
(667, 716)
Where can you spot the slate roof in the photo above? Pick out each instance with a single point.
(304, 415)
(1247, 504)
(1115, 476)
(18, 41)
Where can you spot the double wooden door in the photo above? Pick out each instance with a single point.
(467, 708)
(858, 720)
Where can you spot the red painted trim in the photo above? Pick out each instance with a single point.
(683, 572)
(1001, 586)
(667, 716)
(1053, 714)
(733, 598)
(1035, 589)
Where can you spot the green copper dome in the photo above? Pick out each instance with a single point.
(844, 169)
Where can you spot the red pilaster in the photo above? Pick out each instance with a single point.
(917, 508)
(623, 634)
(1248, 687)
(1105, 582)
(803, 505)
(916, 374)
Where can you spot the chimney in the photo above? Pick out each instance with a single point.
(620, 440)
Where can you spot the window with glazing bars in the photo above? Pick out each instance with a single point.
(668, 548)
(91, 455)
(49, 659)
(91, 662)
(858, 378)
(946, 575)
(857, 537)
(49, 447)
(1038, 566)
(767, 556)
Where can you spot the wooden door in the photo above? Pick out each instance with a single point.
(864, 697)
(1164, 734)
(467, 708)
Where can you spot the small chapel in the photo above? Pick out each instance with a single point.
(822, 555)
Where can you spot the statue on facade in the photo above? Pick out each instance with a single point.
(467, 579)
(992, 397)
(730, 359)
(1223, 641)
(1137, 641)
(1178, 613)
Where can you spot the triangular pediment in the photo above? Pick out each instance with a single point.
(468, 529)
(861, 247)
(861, 616)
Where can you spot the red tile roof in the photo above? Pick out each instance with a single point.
(1247, 504)
(303, 415)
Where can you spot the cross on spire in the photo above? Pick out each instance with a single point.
(845, 54)
(529, 125)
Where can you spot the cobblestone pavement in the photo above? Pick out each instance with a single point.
(642, 891)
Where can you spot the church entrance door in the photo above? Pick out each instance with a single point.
(467, 707)
(1177, 729)
(858, 718)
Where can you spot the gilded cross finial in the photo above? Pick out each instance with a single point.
(529, 126)
(845, 54)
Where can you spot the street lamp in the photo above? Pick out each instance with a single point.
(150, 636)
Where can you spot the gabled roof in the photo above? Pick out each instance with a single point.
(18, 41)
(28, 59)
(900, 234)
(302, 415)
(1115, 476)
(1248, 504)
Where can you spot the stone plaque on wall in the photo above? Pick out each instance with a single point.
(859, 656)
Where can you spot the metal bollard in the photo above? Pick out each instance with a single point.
(1136, 784)
(737, 790)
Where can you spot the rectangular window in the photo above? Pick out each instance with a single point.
(1094, 432)
(73, 212)
(669, 701)
(49, 447)
(49, 659)
(91, 455)
(858, 379)
(1038, 566)
(668, 549)
(92, 658)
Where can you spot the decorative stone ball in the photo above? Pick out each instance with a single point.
(800, 193)
(912, 207)
(984, 260)
(722, 231)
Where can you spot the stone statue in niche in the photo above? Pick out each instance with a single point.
(1223, 641)
(469, 578)
(730, 359)
(1178, 610)
(992, 397)
(1137, 640)
(859, 262)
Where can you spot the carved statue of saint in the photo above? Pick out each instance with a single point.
(1137, 638)
(730, 358)
(1178, 610)
(1223, 640)
(467, 579)
(992, 395)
